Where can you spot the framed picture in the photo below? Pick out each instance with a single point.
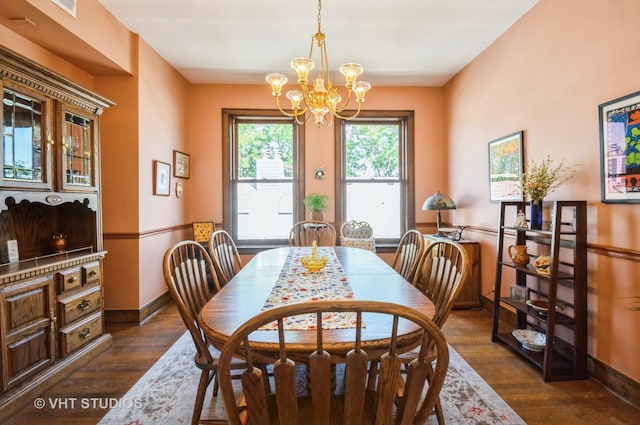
(181, 163)
(161, 178)
(505, 168)
(518, 293)
(620, 149)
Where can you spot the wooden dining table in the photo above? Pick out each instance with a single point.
(369, 276)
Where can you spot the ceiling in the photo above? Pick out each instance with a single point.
(401, 42)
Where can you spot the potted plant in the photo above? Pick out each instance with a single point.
(317, 205)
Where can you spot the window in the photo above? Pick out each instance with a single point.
(262, 175)
(374, 154)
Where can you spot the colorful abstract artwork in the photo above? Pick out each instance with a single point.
(620, 149)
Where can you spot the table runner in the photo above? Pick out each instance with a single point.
(296, 284)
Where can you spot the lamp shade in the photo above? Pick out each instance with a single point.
(438, 201)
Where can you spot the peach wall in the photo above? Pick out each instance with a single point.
(547, 75)
(206, 115)
(111, 41)
(26, 48)
(163, 112)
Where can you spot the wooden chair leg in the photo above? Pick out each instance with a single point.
(215, 384)
(205, 378)
(439, 412)
(422, 415)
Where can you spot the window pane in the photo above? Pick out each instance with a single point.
(373, 151)
(264, 210)
(378, 204)
(270, 144)
(262, 185)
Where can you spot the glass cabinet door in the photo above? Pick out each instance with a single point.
(78, 150)
(25, 148)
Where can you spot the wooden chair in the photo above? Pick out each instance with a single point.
(359, 403)
(224, 254)
(357, 234)
(444, 268)
(303, 233)
(185, 268)
(408, 254)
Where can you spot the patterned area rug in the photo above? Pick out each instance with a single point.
(165, 394)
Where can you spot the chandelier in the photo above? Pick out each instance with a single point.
(321, 98)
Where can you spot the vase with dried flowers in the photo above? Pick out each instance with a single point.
(539, 180)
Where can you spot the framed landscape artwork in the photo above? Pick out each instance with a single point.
(505, 168)
(620, 149)
(161, 178)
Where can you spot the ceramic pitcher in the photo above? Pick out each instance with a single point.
(518, 254)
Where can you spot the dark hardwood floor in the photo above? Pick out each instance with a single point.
(136, 348)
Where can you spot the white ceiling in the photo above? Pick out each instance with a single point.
(400, 42)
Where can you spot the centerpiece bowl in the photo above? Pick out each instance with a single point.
(313, 263)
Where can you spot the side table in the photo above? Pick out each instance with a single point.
(470, 295)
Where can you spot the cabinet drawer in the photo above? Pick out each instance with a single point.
(90, 272)
(68, 279)
(80, 333)
(75, 306)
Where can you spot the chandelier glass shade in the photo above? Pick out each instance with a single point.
(320, 98)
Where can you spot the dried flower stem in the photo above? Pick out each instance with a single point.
(540, 179)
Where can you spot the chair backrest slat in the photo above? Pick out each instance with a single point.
(255, 394)
(284, 375)
(225, 256)
(408, 254)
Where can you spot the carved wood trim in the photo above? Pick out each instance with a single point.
(19, 69)
(50, 264)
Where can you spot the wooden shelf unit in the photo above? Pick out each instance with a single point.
(564, 288)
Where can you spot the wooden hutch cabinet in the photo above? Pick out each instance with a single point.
(51, 251)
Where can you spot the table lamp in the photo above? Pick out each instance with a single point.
(438, 201)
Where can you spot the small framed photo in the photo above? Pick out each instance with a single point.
(161, 178)
(505, 168)
(181, 164)
(519, 293)
(619, 143)
(12, 249)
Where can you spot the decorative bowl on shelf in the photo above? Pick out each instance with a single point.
(542, 264)
(313, 263)
(530, 340)
(538, 305)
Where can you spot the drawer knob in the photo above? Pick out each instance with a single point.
(72, 279)
(93, 272)
(84, 304)
(85, 333)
